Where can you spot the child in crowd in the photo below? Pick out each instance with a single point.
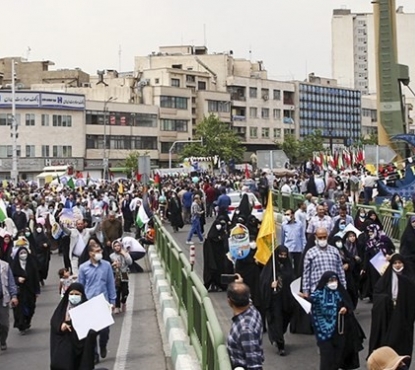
(65, 280)
(120, 260)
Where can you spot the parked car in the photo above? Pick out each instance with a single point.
(236, 197)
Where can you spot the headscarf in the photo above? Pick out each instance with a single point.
(326, 304)
(369, 221)
(377, 234)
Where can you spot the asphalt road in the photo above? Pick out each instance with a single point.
(301, 349)
(139, 347)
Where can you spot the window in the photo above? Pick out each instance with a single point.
(190, 78)
(156, 80)
(62, 120)
(218, 106)
(288, 131)
(5, 119)
(277, 114)
(121, 142)
(45, 150)
(45, 119)
(173, 125)
(175, 82)
(201, 85)
(265, 94)
(265, 132)
(277, 133)
(173, 102)
(30, 151)
(265, 113)
(253, 92)
(63, 151)
(277, 94)
(7, 151)
(30, 119)
(253, 112)
(253, 132)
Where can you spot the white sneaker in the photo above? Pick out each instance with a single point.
(116, 310)
(189, 242)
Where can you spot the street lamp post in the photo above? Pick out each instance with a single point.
(104, 154)
(181, 141)
(14, 173)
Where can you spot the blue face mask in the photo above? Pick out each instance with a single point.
(75, 299)
(342, 226)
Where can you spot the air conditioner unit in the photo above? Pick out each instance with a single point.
(86, 84)
(265, 97)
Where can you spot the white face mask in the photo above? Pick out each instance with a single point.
(287, 218)
(397, 270)
(322, 243)
(98, 257)
(74, 299)
(339, 244)
(39, 230)
(218, 227)
(23, 256)
(332, 285)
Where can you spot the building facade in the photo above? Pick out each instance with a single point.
(51, 131)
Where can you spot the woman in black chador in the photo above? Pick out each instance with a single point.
(215, 248)
(393, 312)
(276, 297)
(25, 272)
(67, 352)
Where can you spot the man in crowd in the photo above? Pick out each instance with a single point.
(344, 216)
(293, 237)
(223, 203)
(335, 209)
(78, 240)
(245, 337)
(112, 230)
(321, 220)
(319, 259)
(97, 276)
(196, 212)
(19, 218)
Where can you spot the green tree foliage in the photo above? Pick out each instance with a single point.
(131, 162)
(218, 139)
(291, 147)
(302, 150)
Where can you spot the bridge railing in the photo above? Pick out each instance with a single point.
(195, 307)
(394, 222)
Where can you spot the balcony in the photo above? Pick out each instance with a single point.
(288, 120)
(238, 97)
(238, 118)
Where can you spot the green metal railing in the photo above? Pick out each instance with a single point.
(195, 307)
(394, 222)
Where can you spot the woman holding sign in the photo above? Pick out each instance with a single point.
(67, 352)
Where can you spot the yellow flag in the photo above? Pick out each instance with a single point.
(120, 188)
(5, 184)
(48, 179)
(413, 170)
(265, 240)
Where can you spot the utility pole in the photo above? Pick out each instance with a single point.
(14, 173)
(104, 154)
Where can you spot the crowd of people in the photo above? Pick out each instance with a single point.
(99, 249)
(321, 243)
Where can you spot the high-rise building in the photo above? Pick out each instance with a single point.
(354, 52)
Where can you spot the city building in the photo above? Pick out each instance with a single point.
(354, 52)
(51, 131)
(335, 111)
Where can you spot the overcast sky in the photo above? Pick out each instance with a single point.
(292, 37)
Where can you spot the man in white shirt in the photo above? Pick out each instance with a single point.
(369, 183)
(79, 240)
(319, 185)
(136, 251)
(300, 215)
(312, 208)
(286, 188)
(41, 210)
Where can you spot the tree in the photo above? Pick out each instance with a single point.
(291, 147)
(309, 144)
(131, 162)
(371, 139)
(218, 139)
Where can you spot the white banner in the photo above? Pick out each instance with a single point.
(23, 99)
(62, 101)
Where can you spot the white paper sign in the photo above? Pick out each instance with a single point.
(95, 314)
(380, 262)
(295, 289)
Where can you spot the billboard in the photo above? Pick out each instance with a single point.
(29, 99)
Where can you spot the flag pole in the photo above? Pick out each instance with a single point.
(274, 273)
